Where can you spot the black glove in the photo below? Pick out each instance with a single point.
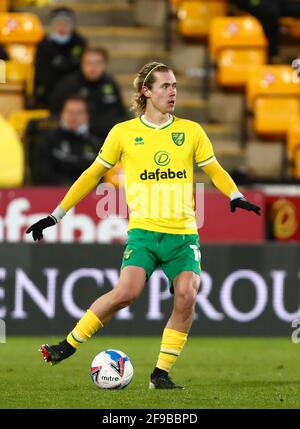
(242, 203)
(37, 228)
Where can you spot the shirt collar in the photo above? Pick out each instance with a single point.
(157, 127)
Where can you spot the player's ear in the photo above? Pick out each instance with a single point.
(146, 91)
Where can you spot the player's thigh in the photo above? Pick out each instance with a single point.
(182, 255)
(131, 282)
(140, 252)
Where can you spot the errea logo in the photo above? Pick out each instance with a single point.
(138, 140)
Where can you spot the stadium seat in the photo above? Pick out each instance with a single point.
(175, 3)
(11, 157)
(17, 72)
(237, 45)
(20, 118)
(11, 98)
(20, 33)
(24, 3)
(273, 96)
(290, 27)
(4, 5)
(293, 146)
(195, 17)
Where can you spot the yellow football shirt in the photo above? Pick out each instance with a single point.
(158, 167)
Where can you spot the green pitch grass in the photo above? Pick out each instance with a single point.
(217, 373)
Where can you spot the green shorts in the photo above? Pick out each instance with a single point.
(173, 253)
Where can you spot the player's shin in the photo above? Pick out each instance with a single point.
(171, 346)
(85, 328)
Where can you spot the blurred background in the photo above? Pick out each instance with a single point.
(66, 74)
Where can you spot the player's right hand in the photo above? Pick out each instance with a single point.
(38, 227)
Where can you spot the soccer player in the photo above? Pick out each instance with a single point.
(157, 151)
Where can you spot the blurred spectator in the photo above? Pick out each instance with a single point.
(3, 54)
(58, 54)
(64, 152)
(98, 88)
(268, 13)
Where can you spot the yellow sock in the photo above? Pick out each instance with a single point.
(85, 328)
(171, 346)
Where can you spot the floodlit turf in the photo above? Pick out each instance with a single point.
(217, 373)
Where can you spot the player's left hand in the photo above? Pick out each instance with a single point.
(242, 203)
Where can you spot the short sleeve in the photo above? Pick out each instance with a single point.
(110, 152)
(204, 153)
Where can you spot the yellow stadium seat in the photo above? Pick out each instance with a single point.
(293, 146)
(195, 17)
(19, 119)
(234, 65)
(4, 5)
(20, 33)
(237, 45)
(19, 27)
(175, 3)
(291, 26)
(24, 3)
(21, 53)
(273, 95)
(293, 137)
(11, 98)
(273, 115)
(18, 72)
(11, 157)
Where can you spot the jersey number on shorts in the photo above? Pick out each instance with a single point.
(197, 252)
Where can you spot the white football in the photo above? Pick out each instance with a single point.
(111, 369)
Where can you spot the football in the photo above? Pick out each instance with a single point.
(111, 369)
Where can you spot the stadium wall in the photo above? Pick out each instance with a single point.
(246, 290)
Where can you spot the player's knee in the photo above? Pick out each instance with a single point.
(185, 295)
(187, 285)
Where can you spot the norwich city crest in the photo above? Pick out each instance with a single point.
(178, 138)
(127, 253)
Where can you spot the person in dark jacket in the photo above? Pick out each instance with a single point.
(268, 13)
(98, 88)
(64, 152)
(57, 55)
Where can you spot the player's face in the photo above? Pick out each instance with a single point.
(93, 66)
(74, 114)
(162, 95)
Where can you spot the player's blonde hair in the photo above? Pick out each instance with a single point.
(145, 77)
